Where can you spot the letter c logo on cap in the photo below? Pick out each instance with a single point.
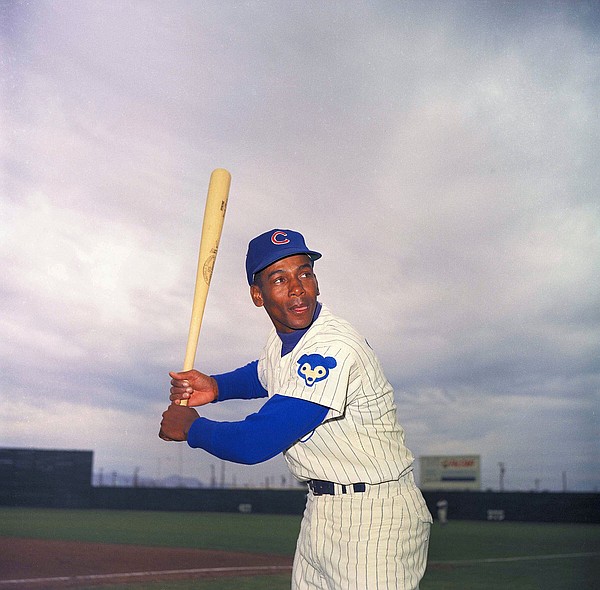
(275, 238)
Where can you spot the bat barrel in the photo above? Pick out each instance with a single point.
(212, 226)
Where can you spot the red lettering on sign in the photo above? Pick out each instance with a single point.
(458, 463)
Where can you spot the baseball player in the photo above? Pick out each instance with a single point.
(330, 410)
(442, 511)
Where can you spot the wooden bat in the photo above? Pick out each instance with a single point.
(212, 225)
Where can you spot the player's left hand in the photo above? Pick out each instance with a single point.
(176, 422)
(195, 387)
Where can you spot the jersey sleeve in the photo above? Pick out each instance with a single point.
(260, 436)
(243, 383)
(322, 376)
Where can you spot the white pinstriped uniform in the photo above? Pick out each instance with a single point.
(367, 540)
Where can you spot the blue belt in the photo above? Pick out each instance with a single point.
(327, 488)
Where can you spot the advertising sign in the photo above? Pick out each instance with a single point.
(450, 472)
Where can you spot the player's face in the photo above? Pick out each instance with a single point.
(288, 291)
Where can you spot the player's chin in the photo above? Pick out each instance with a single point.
(299, 321)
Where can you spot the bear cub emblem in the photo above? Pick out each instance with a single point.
(314, 367)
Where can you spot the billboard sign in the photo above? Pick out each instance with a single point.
(450, 472)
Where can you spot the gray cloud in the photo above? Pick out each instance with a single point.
(442, 156)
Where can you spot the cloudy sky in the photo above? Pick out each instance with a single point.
(442, 155)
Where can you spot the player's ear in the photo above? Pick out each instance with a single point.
(256, 295)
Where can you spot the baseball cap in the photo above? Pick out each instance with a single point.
(273, 246)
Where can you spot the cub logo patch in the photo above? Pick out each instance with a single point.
(314, 367)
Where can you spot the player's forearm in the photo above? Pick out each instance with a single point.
(261, 436)
(230, 441)
(243, 383)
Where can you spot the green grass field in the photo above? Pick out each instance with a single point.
(463, 555)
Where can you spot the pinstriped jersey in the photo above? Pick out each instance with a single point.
(360, 439)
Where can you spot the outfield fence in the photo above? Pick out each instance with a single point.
(510, 506)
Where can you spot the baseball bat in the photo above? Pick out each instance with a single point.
(212, 226)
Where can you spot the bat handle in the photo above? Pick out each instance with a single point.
(184, 402)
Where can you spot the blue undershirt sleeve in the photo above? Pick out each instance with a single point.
(260, 436)
(243, 383)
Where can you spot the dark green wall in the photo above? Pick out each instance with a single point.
(62, 479)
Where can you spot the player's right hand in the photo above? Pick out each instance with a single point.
(195, 387)
(176, 423)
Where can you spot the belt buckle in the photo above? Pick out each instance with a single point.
(320, 488)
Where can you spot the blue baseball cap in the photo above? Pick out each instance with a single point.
(273, 246)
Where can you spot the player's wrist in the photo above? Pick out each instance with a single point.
(215, 388)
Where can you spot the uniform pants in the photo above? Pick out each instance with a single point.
(371, 540)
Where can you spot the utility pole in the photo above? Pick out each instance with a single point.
(502, 470)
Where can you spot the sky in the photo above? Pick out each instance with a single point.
(442, 155)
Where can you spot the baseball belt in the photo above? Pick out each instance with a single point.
(327, 488)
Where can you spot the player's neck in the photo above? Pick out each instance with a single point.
(290, 339)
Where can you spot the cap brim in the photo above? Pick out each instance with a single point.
(281, 254)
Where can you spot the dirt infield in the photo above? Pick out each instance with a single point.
(35, 564)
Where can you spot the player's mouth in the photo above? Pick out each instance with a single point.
(299, 308)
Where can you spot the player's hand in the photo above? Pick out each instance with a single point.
(176, 423)
(195, 387)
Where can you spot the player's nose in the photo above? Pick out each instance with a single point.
(295, 287)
